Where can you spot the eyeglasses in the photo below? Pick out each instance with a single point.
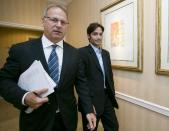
(56, 20)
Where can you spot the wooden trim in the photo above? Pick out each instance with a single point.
(20, 26)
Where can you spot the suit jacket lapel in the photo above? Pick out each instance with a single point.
(104, 57)
(94, 57)
(39, 53)
(65, 62)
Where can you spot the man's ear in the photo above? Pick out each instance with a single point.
(88, 36)
(42, 20)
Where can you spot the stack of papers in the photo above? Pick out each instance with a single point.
(35, 77)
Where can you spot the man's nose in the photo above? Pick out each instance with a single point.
(58, 23)
(99, 36)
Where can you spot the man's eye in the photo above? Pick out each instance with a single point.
(94, 33)
(55, 20)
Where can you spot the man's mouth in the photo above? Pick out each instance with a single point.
(57, 32)
(98, 41)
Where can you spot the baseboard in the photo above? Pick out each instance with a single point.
(146, 104)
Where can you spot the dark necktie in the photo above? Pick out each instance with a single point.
(53, 65)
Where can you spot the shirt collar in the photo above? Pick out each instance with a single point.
(47, 43)
(96, 49)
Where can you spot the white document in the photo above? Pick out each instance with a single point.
(35, 77)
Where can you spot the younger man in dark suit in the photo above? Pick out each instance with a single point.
(98, 72)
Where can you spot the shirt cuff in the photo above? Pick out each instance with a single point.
(23, 98)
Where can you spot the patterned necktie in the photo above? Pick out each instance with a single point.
(53, 65)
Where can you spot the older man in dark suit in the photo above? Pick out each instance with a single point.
(58, 111)
(98, 72)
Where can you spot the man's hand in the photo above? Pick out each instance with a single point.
(33, 99)
(91, 117)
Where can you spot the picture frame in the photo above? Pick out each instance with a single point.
(123, 35)
(162, 35)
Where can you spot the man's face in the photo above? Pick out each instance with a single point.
(55, 24)
(96, 37)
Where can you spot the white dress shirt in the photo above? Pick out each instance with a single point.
(98, 52)
(47, 48)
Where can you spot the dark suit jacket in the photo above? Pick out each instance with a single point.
(21, 56)
(95, 79)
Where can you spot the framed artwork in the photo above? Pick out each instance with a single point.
(162, 37)
(123, 35)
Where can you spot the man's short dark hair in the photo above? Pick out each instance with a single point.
(93, 26)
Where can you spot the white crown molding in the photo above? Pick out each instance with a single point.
(20, 26)
(146, 104)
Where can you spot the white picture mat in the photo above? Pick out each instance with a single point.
(126, 13)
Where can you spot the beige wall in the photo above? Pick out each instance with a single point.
(27, 12)
(9, 119)
(9, 36)
(19, 12)
(146, 86)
